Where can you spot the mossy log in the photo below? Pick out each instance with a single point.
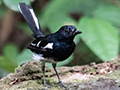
(28, 76)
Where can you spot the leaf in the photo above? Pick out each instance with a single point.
(101, 37)
(0, 2)
(57, 22)
(13, 4)
(7, 64)
(25, 56)
(10, 51)
(109, 13)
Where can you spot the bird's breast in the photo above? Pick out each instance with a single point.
(62, 50)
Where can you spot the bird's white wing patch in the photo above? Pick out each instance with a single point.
(35, 18)
(33, 44)
(38, 43)
(49, 45)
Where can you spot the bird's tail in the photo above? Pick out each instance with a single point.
(29, 15)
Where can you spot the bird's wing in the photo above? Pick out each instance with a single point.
(40, 45)
(29, 15)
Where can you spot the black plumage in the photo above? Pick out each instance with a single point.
(49, 48)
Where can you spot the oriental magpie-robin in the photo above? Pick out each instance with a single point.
(50, 48)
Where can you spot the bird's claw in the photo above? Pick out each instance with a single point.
(60, 84)
(47, 85)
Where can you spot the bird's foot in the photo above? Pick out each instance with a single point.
(47, 85)
(61, 84)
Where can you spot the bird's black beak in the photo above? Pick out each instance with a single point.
(77, 32)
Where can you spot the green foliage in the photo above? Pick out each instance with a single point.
(109, 13)
(57, 11)
(24, 56)
(7, 64)
(57, 22)
(0, 2)
(8, 60)
(11, 58)
(102, 37)
(13, 4)
(10, 51)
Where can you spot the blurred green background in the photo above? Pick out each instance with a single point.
(99, 20)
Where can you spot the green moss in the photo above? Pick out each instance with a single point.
(89, 70)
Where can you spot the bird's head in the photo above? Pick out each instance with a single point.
(68, 31)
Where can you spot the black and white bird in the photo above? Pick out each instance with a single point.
(50, 48)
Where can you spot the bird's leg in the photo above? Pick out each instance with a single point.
(43, 70)
(59, 81)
